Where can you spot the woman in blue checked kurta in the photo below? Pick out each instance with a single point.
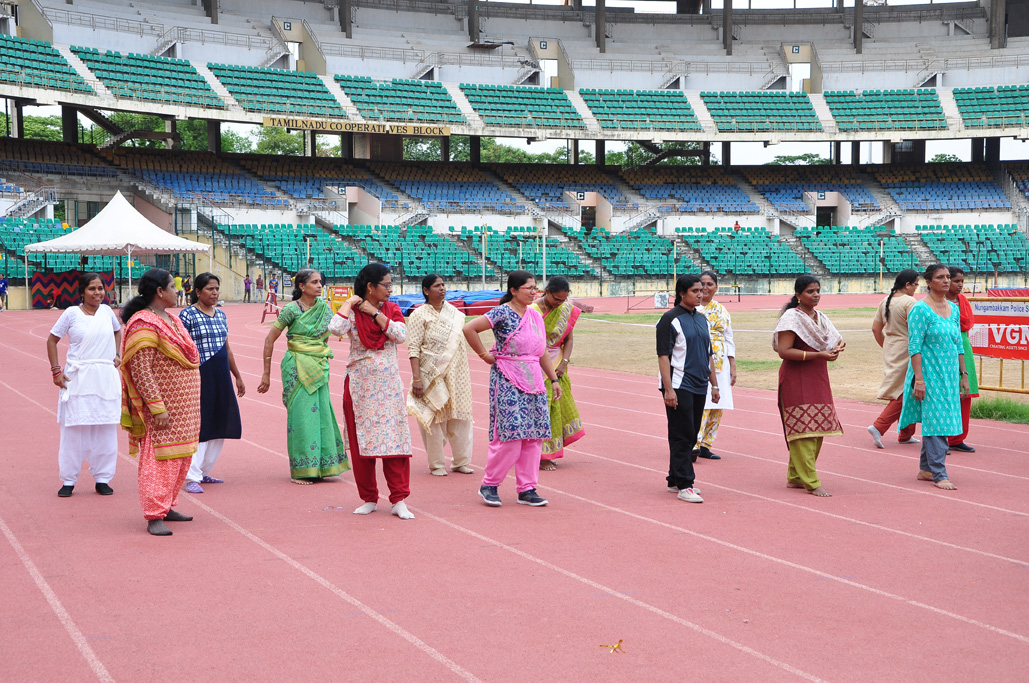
(219, 410)
(936, 375)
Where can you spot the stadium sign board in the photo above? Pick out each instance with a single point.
(331, 126)
(1001, 328)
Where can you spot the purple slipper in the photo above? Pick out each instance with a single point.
(193, 487)
(211, 480)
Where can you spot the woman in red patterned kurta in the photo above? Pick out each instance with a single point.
(160, 398)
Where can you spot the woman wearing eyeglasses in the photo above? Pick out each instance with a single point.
(559, 317)
(374, 401)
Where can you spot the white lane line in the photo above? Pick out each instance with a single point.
(77, 637)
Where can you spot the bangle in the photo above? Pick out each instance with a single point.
(805, 356)
(964, 373)
(483, 354)
(416, 381)
(555, 381)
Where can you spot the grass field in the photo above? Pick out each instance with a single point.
(625, 342)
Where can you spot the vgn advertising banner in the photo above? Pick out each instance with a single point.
(1001, 328)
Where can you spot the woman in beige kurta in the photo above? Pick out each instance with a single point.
(890, 328)
(441, 386)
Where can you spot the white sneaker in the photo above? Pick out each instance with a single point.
(675, 489)
(911, 440)
(401, 511)
(690, 496)
(877, 438)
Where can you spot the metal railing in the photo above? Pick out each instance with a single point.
(96, 21)
(404, 55)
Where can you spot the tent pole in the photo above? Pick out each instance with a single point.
(28, 284)
(129, 252)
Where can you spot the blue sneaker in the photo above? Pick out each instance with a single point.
(489, 495)
(532, 498)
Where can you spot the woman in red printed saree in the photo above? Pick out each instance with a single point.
(806, 340)
(160, 398)
(559, 316)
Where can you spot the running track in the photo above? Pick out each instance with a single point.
(889, 579)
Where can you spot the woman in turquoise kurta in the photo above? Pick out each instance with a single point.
(313, 440)
(936, 375)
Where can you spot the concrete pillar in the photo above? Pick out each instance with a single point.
(600, 29)
(859, 21)
(574, 157)
(992, 151)
(310, 143)
(69, 125)
(16, 119)
(998, 25)
(169, 127)
(726, 154)
(727, 27)
(601, 153)
(444, 148)
(475, 149)
(887, 152)
(978, 150)
(214, 136)
(705, 158)
(855, 153)
(837, 151)
(346, 146)
(346, 23)
(473, 21)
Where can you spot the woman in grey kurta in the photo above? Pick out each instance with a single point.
(936, 375)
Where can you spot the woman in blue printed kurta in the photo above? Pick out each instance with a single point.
(936, 375)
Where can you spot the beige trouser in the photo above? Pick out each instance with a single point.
(458, 433)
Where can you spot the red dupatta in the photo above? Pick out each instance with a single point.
(371, 335)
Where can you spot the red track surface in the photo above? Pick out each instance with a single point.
(889, 579)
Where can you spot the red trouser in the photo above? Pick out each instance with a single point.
(889, 415)
(966, 413)
(397, 468)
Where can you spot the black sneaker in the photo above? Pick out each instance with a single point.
(65, 491)
(532, 498)
(963, 448)
(706, 453)
(104, 489)
(489, 495)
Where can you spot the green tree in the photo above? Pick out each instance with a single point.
(637, 155)
(809, 159)
(270, 140)
(193, 137)
(945, 159)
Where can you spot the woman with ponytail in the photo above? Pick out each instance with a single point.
(374, 401)
(890, 329)
(806, 341)
(160, 397)
(313, 441)
(686, 365)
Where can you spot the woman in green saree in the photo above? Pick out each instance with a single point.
(315, 446)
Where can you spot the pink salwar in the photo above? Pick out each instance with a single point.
(523, 454)
(159, 480)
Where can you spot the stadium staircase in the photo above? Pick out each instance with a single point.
(950, 107)
(82, 70)
(1019, 202)
(531, 207)
(767, 208)
(584, 111)
(217, 86)
(890, 208)
(688, 250)
(917, 247)
(825, 116)
(33, 203)
(702, 112)
(349, 107)
(810, 260)
(574, 246)
(463, 104)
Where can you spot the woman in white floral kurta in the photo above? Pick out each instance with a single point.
(374, 401)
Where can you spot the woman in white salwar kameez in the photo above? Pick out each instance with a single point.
(723, 349)
(89, 405)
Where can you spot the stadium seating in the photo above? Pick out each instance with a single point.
(519, 248)
(36, 63)
(690, 189)
(286, 246)
(276, 90)
(448, 187)
(942, 187)
(886, 109)
(978, 247)
(192, 175)
(306, 178)
(145, 77)
(855, 250)
(1019, 172)
(522, 106)
(639, 253)
(785, 186)
(39, 157)
(985, 107)
(763, 110)
(641, 109)
(546, 184)
(417, 250)
(15, 233)
(747, 251)
(401, 99)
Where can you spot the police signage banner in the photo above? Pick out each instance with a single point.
(342, 126)
(1001, 328)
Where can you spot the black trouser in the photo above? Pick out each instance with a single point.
(683, 425)
(246, 295)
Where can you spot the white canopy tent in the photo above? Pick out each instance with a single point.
(118, 229)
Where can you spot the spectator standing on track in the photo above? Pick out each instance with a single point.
(316, 448)
(723, 349)
(957, 284)
(936, 377)
(373, 394)
(890, 329)
(519, 416)
(441, 385)
(246, 287)
(187, 289)
(259, 286)
(686, 367)
(179, 298)
(559, 318)
(219, 410)
(3, 291)
(806, 340)
(89, 405)
(160, 397)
